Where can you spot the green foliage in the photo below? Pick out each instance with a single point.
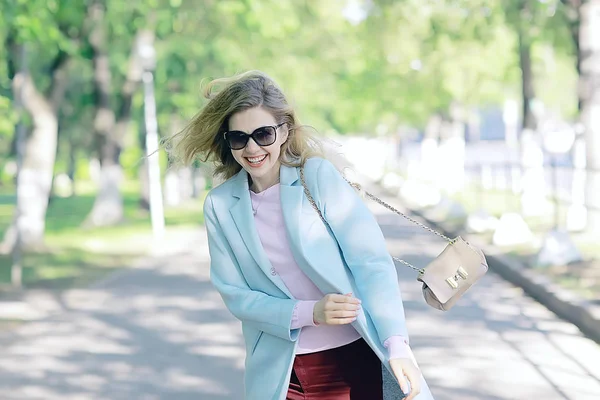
(349, 66)
(77, 259)
(391, 62)
(8, 119)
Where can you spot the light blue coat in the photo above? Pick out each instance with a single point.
(357, 262)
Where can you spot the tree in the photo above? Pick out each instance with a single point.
(584, 17)
(110, 127)
(129, 25)
(589, 95)
(52, 28)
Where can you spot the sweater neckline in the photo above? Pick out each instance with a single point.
(264, 192)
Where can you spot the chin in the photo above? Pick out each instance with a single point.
(256, 174)
(263, 171)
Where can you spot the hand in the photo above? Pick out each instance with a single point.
(404, 369)
(336, 309)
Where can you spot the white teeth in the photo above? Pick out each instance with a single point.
(255, 160)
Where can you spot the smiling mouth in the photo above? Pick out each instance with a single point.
(256, 160)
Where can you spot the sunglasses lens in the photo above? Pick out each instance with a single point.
(264, 136)
(237, 140)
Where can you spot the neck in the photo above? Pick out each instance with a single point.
(258, 185)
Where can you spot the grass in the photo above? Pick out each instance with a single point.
(495, 202)
(579, 277)
(582, 277)
(76, 257)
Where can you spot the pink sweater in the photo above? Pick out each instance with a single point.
(268, 216)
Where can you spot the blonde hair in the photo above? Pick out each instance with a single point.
(203, 139)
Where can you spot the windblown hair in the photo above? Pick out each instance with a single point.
(203, 137)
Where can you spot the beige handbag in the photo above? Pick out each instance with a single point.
(449, 275)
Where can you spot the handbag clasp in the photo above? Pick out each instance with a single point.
(461, 273)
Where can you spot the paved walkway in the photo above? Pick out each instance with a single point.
(159, 331)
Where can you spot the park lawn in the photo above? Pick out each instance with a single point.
(583, 277)
(76, 257)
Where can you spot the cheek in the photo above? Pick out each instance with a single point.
(275, 151)
(279, 145)
(237, 155)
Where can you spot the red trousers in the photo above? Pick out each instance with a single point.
(350, 372)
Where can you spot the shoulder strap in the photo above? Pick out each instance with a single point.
(309, 196)
(376, 199)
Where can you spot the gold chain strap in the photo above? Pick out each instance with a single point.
(381, 202)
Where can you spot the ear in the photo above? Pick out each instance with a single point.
(285, 133)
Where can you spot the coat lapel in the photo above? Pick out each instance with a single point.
(243, 218)
(292, 196)
(293, 200)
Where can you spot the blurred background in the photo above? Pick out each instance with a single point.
(482, 116)
(485, 111)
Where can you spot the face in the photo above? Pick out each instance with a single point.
(261, 162)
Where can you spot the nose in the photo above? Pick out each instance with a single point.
(251, 146)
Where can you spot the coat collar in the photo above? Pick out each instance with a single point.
(288, 176)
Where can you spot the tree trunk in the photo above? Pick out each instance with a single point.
(144, 203)
(455, 147)
(430, 149)
(72, 166)
(572, 16)
(533, 199)
(527, 89)
(35, 178)
(108, 208)
(589, 95)
(144, 38)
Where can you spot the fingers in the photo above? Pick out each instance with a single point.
(407, 373)
(403, 386)
(415, 383)
(342, 313)
(342, 307)
(340, 321)
(342, 298)
(339, 309)
(340, 317)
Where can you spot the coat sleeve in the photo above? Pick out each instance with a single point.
(266, 313)
(364, 249)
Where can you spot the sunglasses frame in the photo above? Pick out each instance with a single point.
(251, 136)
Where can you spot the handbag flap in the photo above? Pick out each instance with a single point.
(446, 267)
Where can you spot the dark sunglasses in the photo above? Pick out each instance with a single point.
(263, 136)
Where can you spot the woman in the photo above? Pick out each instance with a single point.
(321, 310)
